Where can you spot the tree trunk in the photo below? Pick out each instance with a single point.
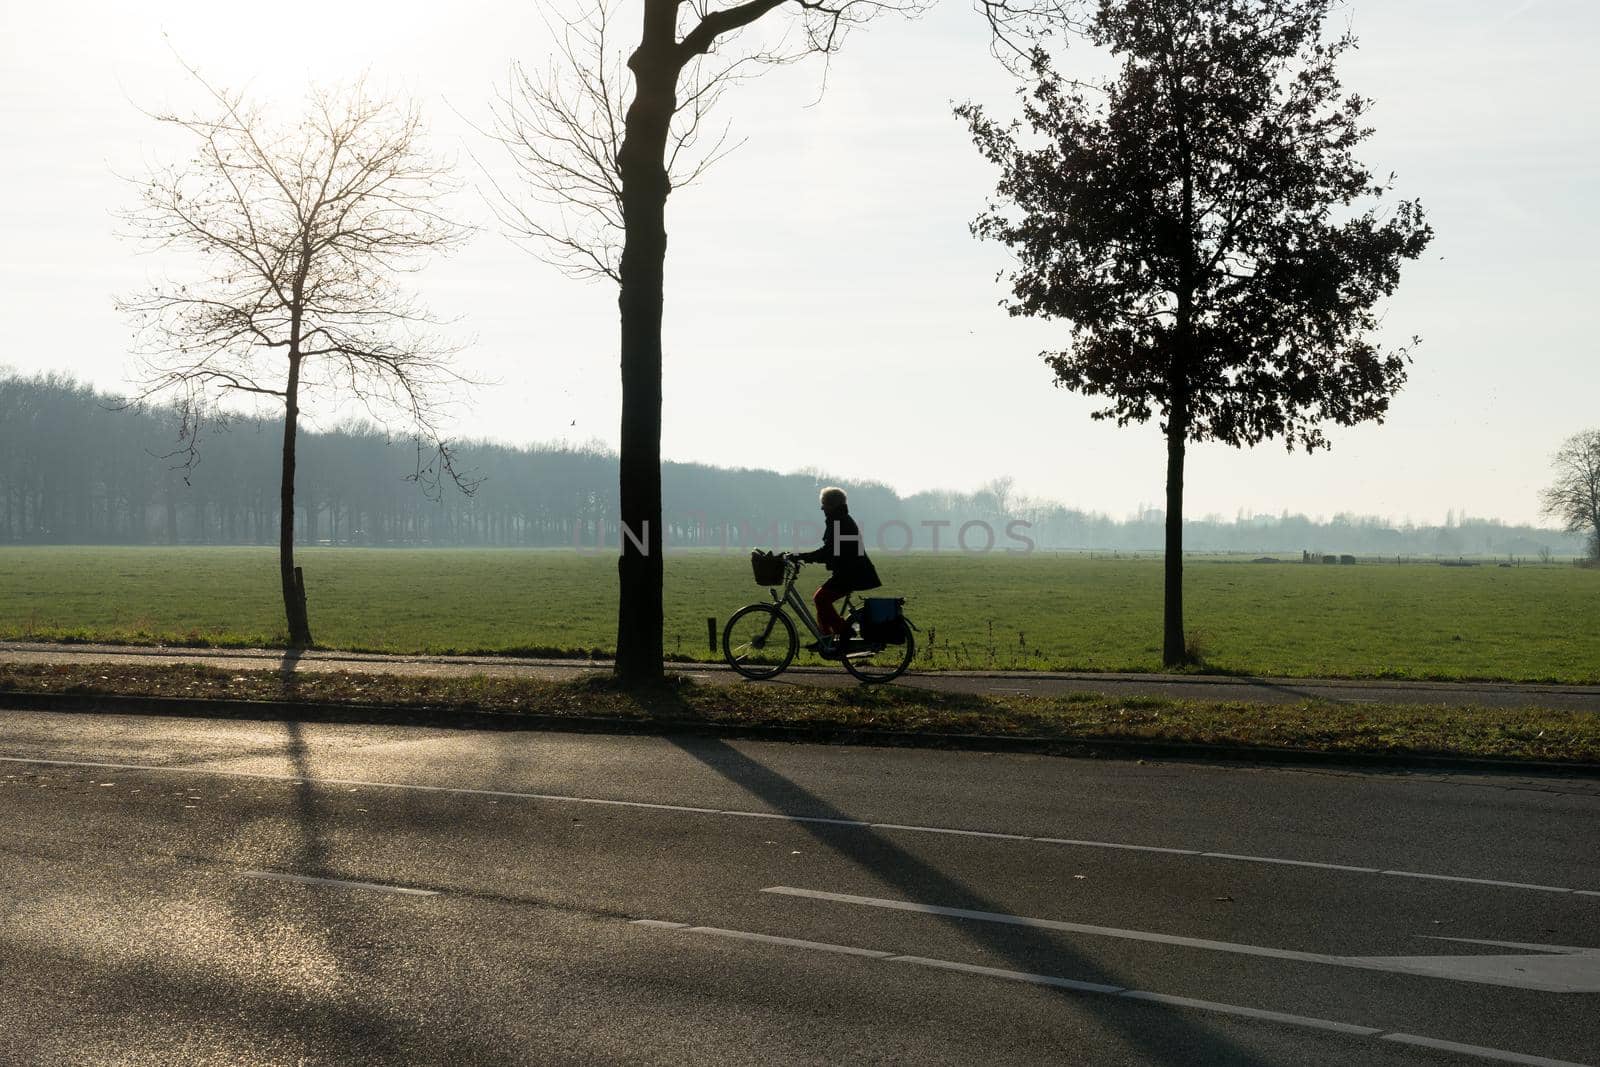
(1173, 652)
(639, 568)
(644, 201)
(1594, 518)
(294, 600)
(172, 511)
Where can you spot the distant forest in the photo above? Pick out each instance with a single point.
(74, 469)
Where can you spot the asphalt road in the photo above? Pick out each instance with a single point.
(811, 671)
(193, 891)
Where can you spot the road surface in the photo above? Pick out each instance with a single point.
(197, 891)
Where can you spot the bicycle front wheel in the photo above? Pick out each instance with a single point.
(759, 641)
(878, 662)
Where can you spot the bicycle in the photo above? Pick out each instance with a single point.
(760, 641)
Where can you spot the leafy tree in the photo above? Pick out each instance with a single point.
(1574, 498)
(295, 235)
(1202, 222)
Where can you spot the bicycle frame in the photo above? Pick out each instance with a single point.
(796, 603)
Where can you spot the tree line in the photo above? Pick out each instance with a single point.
(75, 468)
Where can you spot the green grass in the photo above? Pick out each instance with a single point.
(1529, 623)
(1371, 729)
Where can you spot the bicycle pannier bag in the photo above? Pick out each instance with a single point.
(768, 567)
(881, 620)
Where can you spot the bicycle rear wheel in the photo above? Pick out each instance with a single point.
(759, 641)
(877, 662)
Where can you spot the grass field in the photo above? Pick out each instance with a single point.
(1528, 623)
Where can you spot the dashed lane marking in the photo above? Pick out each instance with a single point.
(1547, 968)
(1141, 996)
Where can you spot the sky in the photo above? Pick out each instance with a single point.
(826, 306)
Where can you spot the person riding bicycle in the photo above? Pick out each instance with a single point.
(844, 555)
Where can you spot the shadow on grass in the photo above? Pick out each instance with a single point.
(289, 673)
(681, 700)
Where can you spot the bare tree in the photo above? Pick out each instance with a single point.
(601, 143)
(563, 128)
(1017, 27)
(1574, 498)
(296, 233)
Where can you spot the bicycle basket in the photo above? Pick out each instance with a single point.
(768, 567)
(882, 621)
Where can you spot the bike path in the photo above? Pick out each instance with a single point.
(1215, 688)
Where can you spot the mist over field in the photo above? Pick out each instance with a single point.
(76, 470)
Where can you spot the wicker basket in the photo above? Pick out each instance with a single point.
(767, 566)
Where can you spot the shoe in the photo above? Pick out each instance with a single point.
(826, 648)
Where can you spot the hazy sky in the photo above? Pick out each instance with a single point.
(826, 305)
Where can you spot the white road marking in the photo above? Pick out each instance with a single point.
(1137, 995)
(1550, 969)
(1478, 1050)
(1479, 881)
(1562, 968)
(802, 819)
(639, 804)
(1117, 844)
(1292, 863)
(1051, 924)
(1013, 976)
(280, 876)
(1254, 1013)
(791, 942)
(947, 830)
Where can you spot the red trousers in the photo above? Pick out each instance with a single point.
(828, 618)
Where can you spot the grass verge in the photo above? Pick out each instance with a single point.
(986, 612)
(1366, 729)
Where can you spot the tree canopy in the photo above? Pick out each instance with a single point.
(295, 234)
(1216, 171)
(1203, 224)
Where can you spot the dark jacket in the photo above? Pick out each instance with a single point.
(844, 555)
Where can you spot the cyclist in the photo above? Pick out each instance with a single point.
(844, 555)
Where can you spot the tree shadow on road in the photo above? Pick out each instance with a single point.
(922, 882)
